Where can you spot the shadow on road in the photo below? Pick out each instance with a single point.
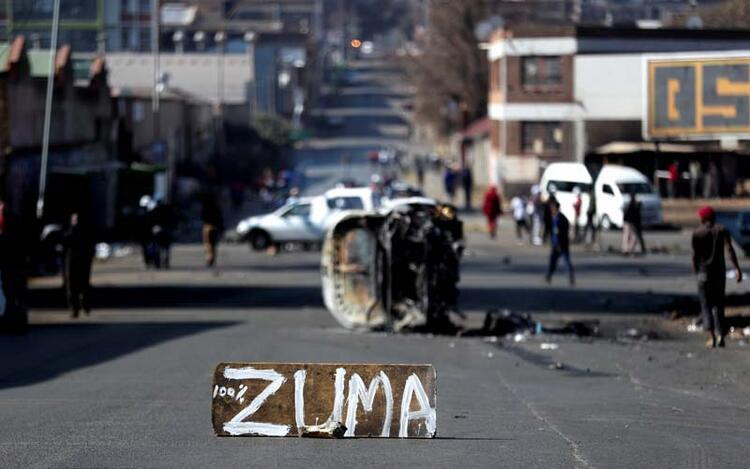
(623, 269)
(189, 297)
(564, 300)
(51, 350)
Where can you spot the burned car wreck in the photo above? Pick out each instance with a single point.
(396, 270)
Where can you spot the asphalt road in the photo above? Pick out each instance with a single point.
(369, 105)
(130, 385)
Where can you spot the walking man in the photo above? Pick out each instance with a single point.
(213, 226)
(632, 230)
(710, 242)
(559, 232)
(449, 182)
(467, 182)
(79, 255)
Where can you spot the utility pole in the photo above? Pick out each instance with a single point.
(155, 105)
(48, 111)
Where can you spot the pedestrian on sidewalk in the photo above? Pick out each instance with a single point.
(632, 230)
(710, 242)
(674, 176)
(695, 178)
(213, 226)
(492, 209)
(577, 207)
(79, 256)
(467, 182)
(535, 209)
(419, 165)
(547, 212)
(591, 224)
(559, 233)
(518, 207)
(449, 182)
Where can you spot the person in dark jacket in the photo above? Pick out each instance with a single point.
(467, 182)
(632, 226)
(591, 224)
(710, 242)
(449, 182)
(79, 256)
(213, 226)
(559, 233)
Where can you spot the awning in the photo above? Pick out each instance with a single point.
(621, 148)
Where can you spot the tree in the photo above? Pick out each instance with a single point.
(731, 14)
(450, 74)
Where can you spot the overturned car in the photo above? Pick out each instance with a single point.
(395, 270)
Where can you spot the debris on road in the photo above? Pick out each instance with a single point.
(394, 271)
(632, 334)
(503, 322)
(329, 429)
(548, 346)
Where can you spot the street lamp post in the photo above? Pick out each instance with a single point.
(48, 111)
(249, 38)
(219, 39)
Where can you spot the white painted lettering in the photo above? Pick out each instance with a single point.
(236, 426)
(413, 387)
(358, 392)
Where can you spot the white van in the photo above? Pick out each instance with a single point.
(613, 187)
(561, 179)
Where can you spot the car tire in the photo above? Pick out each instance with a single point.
(259, 240)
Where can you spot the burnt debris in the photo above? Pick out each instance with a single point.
(394, 271)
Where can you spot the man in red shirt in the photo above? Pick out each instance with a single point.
(710, 242)
(674, 175)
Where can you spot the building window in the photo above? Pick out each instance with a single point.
(541, 71)
(41, 10)
(542, 138)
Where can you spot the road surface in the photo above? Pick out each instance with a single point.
(130, 385)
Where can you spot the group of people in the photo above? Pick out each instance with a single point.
(454, 176)
(532, 216)
(543, 221)
(546, 222)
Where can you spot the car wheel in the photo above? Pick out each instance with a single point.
(259, 240)
(606, 223)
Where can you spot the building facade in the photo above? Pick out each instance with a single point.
(559, 93)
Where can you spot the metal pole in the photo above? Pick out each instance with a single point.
(157, 67)
(48, 111)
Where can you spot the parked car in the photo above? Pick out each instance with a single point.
(304, 220)
(561, 179)
(613, 187)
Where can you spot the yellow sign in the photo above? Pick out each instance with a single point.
(695, 99)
